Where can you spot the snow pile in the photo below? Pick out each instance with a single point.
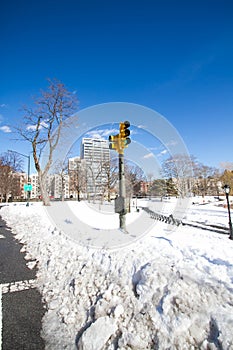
(170, 290)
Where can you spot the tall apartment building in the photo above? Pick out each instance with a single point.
(59, 186)
(17, 186)
(96, 154)
(35, 193)
(55, 184)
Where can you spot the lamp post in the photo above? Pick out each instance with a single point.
(227, 190)
(28, 157)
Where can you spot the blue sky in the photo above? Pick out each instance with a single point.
(175, 57)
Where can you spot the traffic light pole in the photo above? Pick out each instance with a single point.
(118, 143)
(122, 192)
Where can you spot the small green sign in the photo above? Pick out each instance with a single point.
(27, 187)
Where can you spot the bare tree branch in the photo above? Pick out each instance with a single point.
(43, 125)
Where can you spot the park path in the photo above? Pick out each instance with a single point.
(21, 308)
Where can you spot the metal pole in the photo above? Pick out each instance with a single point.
(122, 192)
(229, 214)
(28, 192)
(28, 169)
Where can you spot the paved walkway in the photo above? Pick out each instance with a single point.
(21, 309)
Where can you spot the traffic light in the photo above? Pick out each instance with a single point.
(114, 142)
(124, 133)
(124, 129)
(125, 142)
(120, 141)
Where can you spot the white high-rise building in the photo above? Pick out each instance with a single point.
(56, 186)
(96, 154)
(59, 186)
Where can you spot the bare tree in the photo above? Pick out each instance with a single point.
(226, 165)
(43, 124)
(206, 179)
(13, 159)
(150, 178)
(79, 181)
(61, 170)
(179, 168)
(110, 171)
(5, 181)
(134, 177)
(97, 178)
(98, 175)
(77, 177)
(10, 163)
(159, 188)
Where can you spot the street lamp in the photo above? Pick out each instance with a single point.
(227, 190)
(28, 157)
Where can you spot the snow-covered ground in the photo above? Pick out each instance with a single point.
(171, 288)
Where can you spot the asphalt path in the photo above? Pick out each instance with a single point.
(21, 308)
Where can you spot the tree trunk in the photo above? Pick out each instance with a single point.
(43, 189)
(62, 189)
(109, 192)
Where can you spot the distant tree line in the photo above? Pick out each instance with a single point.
(175, 178)
(184, 176)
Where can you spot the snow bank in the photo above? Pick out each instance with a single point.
(169, 290)
(100, 216)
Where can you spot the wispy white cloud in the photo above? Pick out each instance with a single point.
(3, 105)
(134, 132)
(162, 153)
(33, 127)
(154, 148)
(94, 134)
(149, 155)
(171, 143)
(101, 133)
(5, 129)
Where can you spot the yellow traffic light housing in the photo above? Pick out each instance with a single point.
(124, 133)
(125, 142)
(114, 142)
(124, 129)
(120, 141)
